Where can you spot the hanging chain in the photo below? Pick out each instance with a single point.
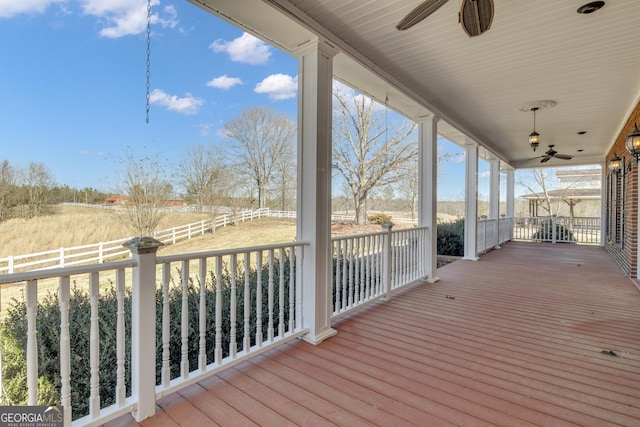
(148, 56)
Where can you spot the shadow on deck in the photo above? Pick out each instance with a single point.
(514, 339)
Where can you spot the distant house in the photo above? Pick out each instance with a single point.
(120, 200)
(576, 185)
(117, 199)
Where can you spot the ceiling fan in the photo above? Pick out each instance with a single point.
(553, 153)
(475, 15)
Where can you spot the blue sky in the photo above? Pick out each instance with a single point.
(73, 85)
(73, 82)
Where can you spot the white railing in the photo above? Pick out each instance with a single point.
(112, 250)
(211, 310)
(583, 230)
(367, 267)
(152, 325)
(491, 233)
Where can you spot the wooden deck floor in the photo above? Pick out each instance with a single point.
(514, 339)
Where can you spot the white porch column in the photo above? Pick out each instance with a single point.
(471, 201)
(315, 79)
(494, 197)
(603, 204)
(428, 192)
(511, 212)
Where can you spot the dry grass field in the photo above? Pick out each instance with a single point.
(73, 226)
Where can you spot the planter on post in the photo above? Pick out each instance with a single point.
(143, 325)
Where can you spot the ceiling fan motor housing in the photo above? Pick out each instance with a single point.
(476, 16)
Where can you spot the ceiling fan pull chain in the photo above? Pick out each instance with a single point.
(148, 58)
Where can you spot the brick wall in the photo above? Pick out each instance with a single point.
(623, 242)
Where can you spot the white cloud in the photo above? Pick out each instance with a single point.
(187, 105)
(125, 17)
(278, 86)
(245, 48)
(9, 8)
(224, 82)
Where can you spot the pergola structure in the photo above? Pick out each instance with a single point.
(571, 197)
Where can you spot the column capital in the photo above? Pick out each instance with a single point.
(433, 118)
(317, 44)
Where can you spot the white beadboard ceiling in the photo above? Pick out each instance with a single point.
(535, 50)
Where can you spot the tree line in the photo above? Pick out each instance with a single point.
(31, 190)
(373, 158)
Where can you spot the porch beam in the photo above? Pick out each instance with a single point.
(471, 201)
(313, 223)
(428, 192)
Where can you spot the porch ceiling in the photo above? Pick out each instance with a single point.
(535, 50)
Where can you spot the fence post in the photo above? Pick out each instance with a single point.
(11, 264)
(386, 261)
(553, 228)
(143, 325)
(61, 257)
(100, 252)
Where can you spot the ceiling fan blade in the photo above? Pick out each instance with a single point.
(423, 10)
(563, 156)
(546, 159)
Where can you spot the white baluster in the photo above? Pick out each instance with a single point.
(218, 310)
(246, 339)
(202, 359)
(65, 348)
(184, 333)
(121, 390)
(32, 342)
(292, 290)
(281, 307)
(166, 325)
(94, 346)
(233, 348)
(336, 280)
(270, 297)
(259, 336)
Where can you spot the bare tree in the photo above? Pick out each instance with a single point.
(147, 192)
(37, 180)
(261, 139)
(407, 185)
(367, 150)
(537, 182)
(7, 189)
(200, 173)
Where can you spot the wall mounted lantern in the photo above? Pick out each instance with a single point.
(615, 164)
(633, 142)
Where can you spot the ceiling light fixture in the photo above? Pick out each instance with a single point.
(534, 137)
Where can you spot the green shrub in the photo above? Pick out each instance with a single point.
(379, 218)
(451, 238)
(13, 336)
(545, 232)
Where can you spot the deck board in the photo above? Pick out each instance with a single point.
(514, 339)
